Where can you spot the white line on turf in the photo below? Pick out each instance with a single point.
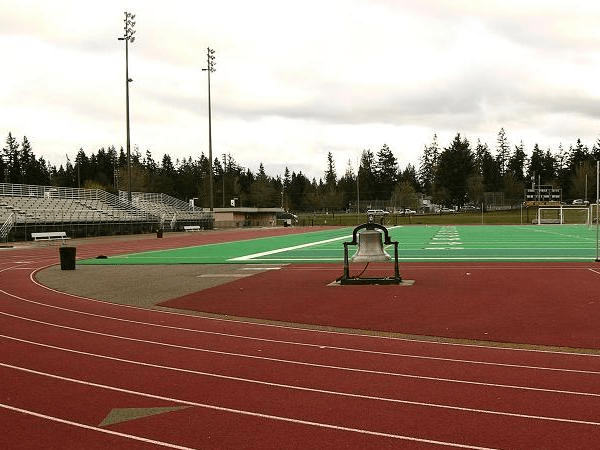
(295, 247)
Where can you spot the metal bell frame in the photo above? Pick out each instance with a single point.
(346, 279)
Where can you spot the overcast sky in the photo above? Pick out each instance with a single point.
(296, 80)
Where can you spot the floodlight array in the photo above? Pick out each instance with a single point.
(129, 27)
(210, 59)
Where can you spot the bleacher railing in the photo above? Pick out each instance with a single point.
(109, 206)
(162, 204)
(7, 226)
(106, 207)
(29, 190)
(158, 198)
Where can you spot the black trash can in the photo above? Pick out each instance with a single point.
(159, 233)
(67, 258)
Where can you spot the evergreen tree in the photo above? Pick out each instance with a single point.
(287, 181)
(428, 164)
(167, 168)
(330, 175)
(3, 169)
(595, 155)
(386, 173)
(516, 163)
(347, 188)
(70, 174)
(12, 172)
(27, 162)
(577, 155)
(561, 169)
(164, 179)
(502, 151)
(366, 175)
(150, 164)
(582, 169)
(550, 167)
(488, 168)
(456, 166)
(263, 193)
(82, 170)
(536, 166)
(409, 175)
(102, 168)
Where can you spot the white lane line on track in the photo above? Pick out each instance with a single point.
(248, 413)
(301, 364)
(92, 428)
(266, 325)
(303, 344)
(290, 419)
(224, 275)
(293, 343)
(6, 269)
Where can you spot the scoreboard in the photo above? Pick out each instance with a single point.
(543, 193)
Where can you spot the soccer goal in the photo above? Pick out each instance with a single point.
(594, 212)
(560, 215)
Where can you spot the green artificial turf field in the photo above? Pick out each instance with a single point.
(438, 243)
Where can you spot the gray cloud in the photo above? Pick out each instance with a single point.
(292, 84)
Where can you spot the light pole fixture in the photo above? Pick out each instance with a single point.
(210, 67)
(128, 37)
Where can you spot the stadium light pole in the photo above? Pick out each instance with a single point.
(210, 67)
(128, 37)
(597, 207)
(358, 189)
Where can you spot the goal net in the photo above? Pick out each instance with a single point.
(560, 215)
(594, 212)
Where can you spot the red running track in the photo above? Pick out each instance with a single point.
(67, 363)
(551, 304)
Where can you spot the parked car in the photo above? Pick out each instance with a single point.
(377, 212)
(409, 211)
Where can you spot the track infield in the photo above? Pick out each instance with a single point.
(573, 243)
(533, 285)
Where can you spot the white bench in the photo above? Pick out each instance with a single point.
(192, 228)
(50, 235)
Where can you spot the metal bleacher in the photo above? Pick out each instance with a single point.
(170, 210)
(89, 212)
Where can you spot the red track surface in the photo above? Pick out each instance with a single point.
(66, 362)
(545, 304)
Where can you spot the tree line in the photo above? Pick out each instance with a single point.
(458, 174)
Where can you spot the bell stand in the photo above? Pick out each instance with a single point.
(345, 279)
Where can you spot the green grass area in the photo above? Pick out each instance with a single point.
(416, 243)
(511, 217)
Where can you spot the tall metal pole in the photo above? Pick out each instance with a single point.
(224, 169)
(358, 190)
(128, 37)
(597, 206)
(210, 67)
(127, 119)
